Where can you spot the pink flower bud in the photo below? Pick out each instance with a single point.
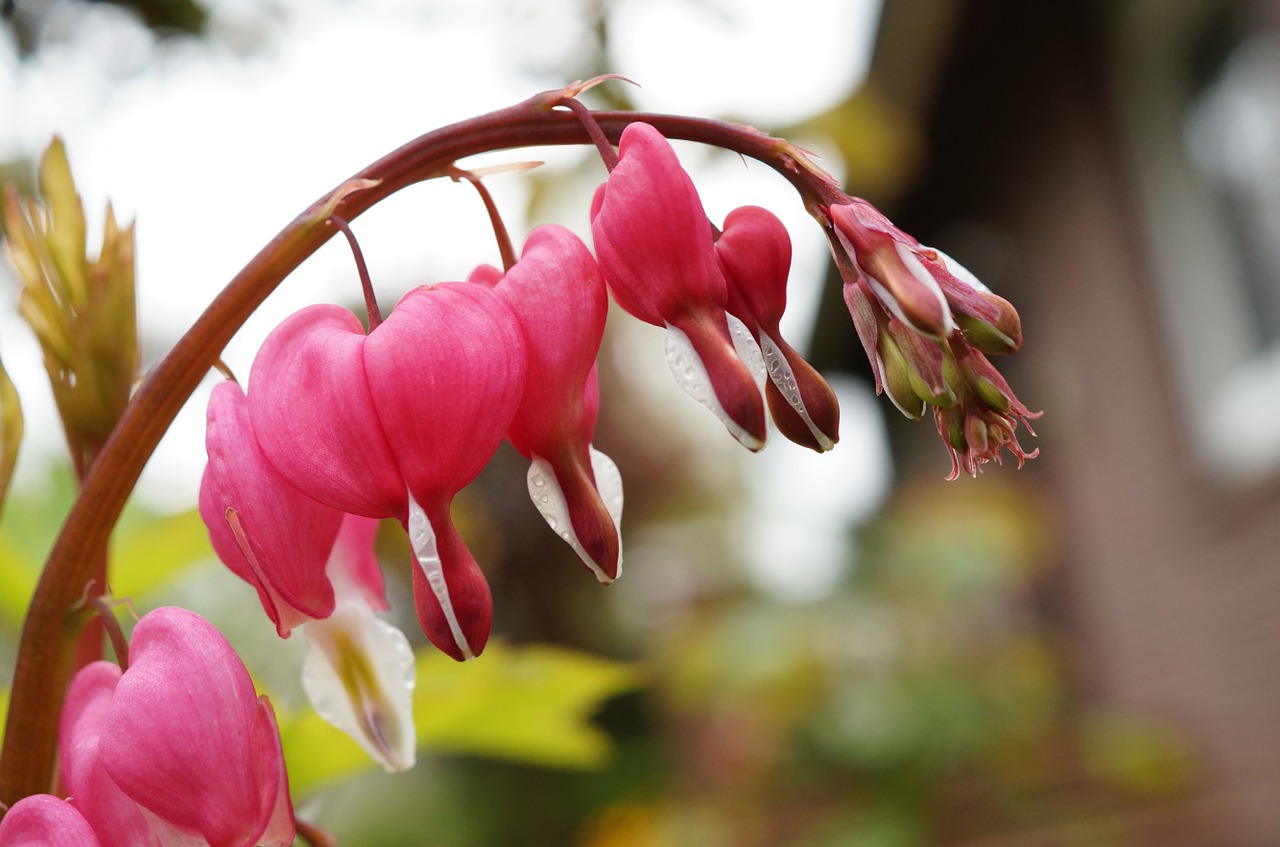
(754, 252)
(889, 260)
(179, 743)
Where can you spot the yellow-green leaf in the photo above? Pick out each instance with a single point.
(529, 704)
(147, 552)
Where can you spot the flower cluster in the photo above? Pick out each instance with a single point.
(927, 325)
(342, 426)
(176, 751)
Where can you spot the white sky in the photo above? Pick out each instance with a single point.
(214, 152)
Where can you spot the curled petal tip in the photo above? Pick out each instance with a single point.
(452, 598)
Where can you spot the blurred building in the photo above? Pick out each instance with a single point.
(1113, 167)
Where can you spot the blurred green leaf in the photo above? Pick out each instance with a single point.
(18, 573)
(10, 431)
(147, 552)
(527, 704)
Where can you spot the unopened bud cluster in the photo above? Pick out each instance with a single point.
(927, 326)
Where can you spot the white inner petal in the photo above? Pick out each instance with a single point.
(548, 497)
(691, 375)
(748, 350)
(779, 370)
(359, 676)
(423, 540)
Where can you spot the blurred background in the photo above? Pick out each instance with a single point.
(816, 651)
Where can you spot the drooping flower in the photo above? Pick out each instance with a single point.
(558, 296)
(42, 820)
(263, 528)
(394, 424)
(654, 244)
(754, 252)
(178, 749)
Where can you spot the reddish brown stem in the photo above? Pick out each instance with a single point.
(44, 661)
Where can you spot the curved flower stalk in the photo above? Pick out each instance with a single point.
(655, 247)
(558, 296)
(394, 424)
(42, 820)
(178, 749)
(754, 252)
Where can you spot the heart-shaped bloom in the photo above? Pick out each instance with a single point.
(394, 424)
(178, 749)
(654, 244)
(43, 820)
(754, 251)
(558, 296)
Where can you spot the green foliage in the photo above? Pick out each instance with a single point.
(528, 704)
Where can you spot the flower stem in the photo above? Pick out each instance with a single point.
(47, 645)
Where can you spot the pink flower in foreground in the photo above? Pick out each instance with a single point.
(394, 424)
(558, 296)
(654, 244)
(178, 749)
(754, 251)
(43, 820)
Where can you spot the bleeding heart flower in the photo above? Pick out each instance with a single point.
(654, 244)
(178, 747)
(558, 296)
(394, 424)
(754, 251)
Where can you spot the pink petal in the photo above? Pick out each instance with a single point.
(278, 539)
(311, 408)
(353, 565)
(651, 234)
(754, 251)
(446, 372)
(186, 735)
(43, 820)
(558, 297)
